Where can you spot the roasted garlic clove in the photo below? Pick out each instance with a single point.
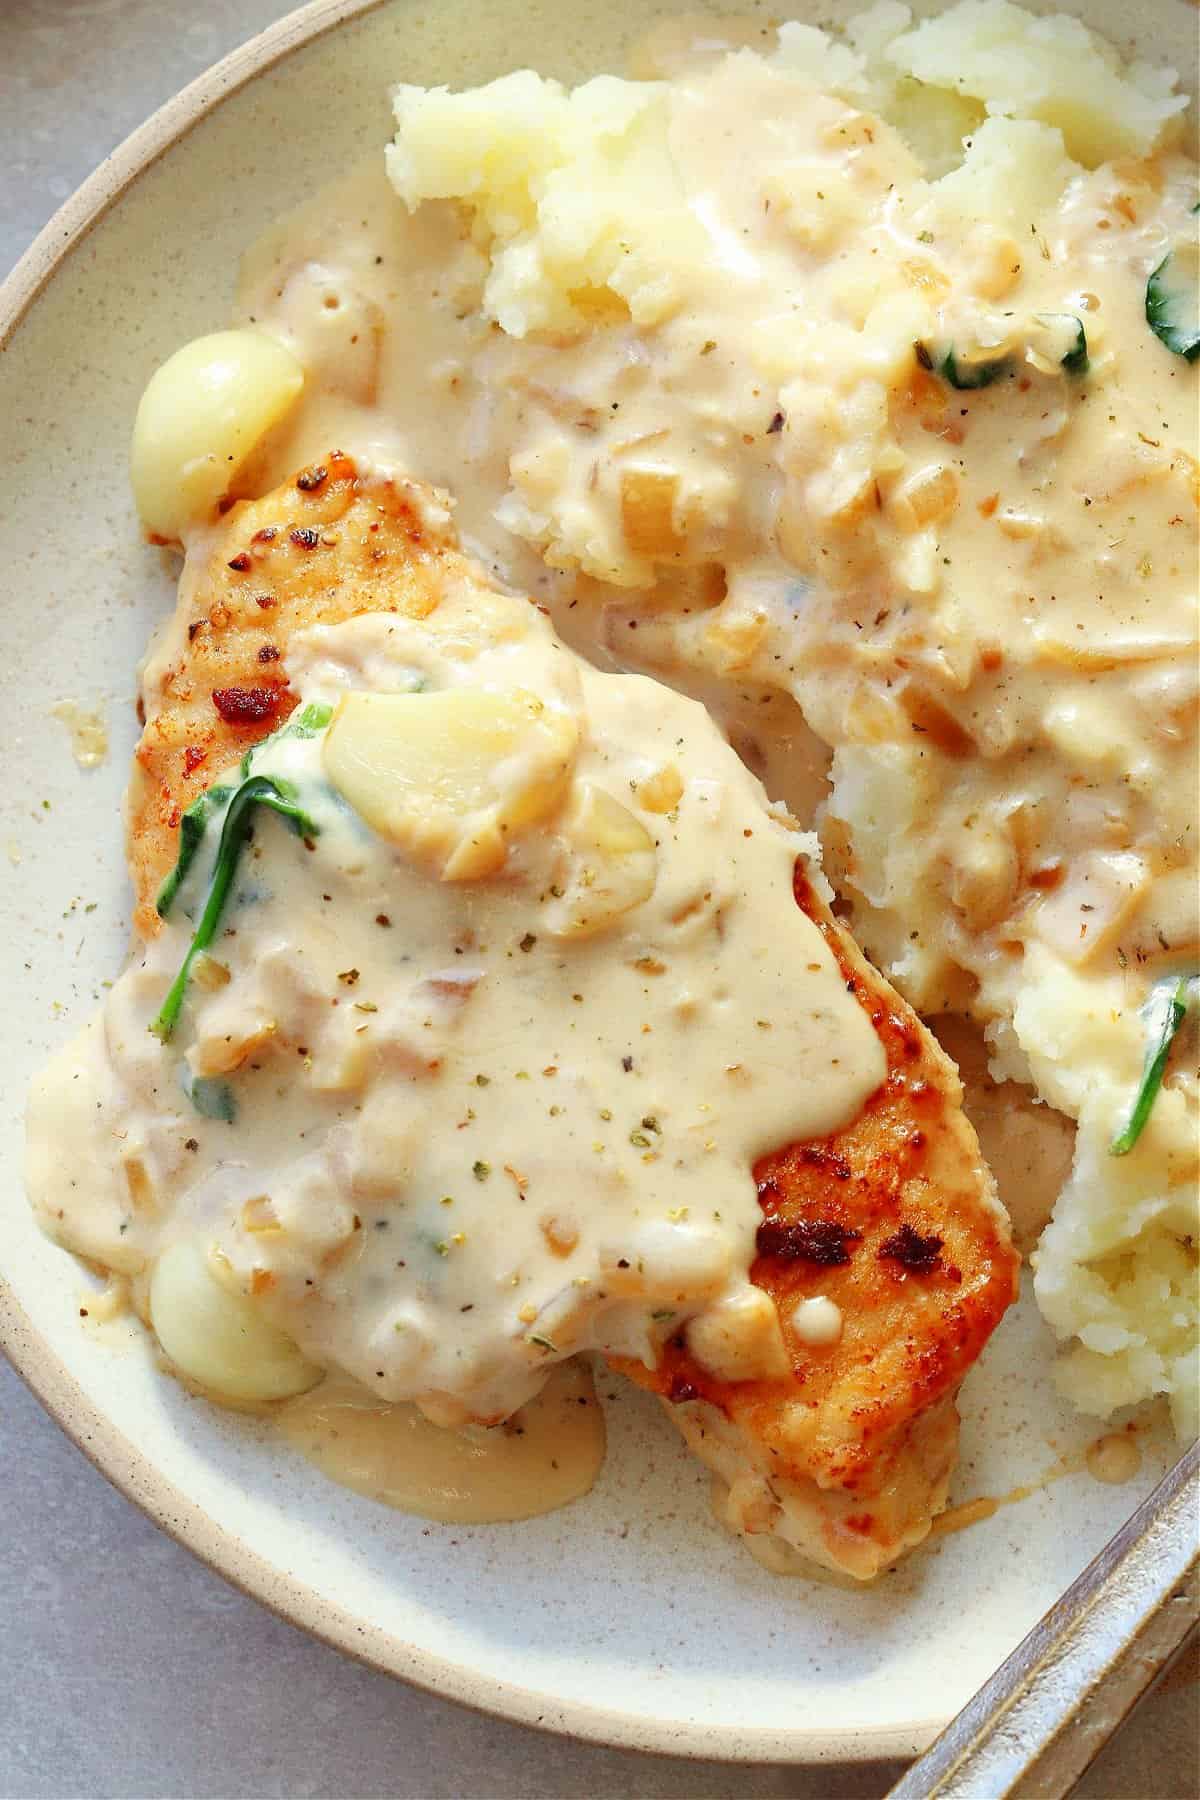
(450, 776)
(201, 415)
(217, 1337)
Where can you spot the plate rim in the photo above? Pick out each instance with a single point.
(131, 1471)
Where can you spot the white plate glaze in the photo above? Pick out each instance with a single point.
(630, 1617)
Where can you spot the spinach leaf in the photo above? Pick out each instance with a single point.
(258, 790)
(1164, 1012)
(192, 827)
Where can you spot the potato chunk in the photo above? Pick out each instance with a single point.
(201, 415)
(450, 776)
(611, 865)
(218, 1338)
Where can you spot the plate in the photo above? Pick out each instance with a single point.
(631, 1617)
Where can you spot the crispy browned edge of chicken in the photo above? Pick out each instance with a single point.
(891, 1219)
(317, 551)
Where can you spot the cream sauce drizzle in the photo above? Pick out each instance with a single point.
(548, 1454)
(391, 373)
(469, 1142)
(1031, 535)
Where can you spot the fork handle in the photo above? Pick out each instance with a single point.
(1047, 1712)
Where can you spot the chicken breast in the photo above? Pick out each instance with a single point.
(322, 549)
(882, 1249)
(885, 1240)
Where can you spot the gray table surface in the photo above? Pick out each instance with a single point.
(127, 1668)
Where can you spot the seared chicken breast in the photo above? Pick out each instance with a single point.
(320, 550)
(887, 1242)
(882, 1248)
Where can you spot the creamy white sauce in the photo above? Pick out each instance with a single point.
(1029, 660)
(817, 1320)
(468, 1142)
(405, 288)
(548, 1454)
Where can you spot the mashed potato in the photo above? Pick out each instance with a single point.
(827, 367)
(577, 191)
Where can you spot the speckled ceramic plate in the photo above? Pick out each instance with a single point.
(630, 1617)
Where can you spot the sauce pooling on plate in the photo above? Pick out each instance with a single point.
(548, 1454)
